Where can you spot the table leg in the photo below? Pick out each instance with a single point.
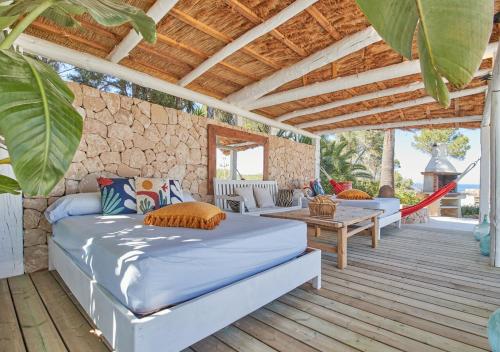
(342, 247)
(375, 232)
(317, 231)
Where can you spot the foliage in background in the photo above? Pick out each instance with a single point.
(458, 144)
(470, 211)
(39, 126)
(340, 162)
(294, 137)
(452, 36)
(368, 148)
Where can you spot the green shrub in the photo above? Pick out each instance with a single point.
(407, 196)
(470, 211)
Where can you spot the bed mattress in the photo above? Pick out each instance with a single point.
(388, 205)
(148, 268)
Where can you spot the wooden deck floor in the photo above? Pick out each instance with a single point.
(419, 291)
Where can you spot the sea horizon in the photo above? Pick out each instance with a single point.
(461, 186)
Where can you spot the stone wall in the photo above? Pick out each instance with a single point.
(130, 137)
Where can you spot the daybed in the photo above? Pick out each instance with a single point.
(162, 289)
(224, 191)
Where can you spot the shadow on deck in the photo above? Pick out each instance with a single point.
(421, 290)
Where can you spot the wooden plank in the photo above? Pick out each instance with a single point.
(241, 341)
(11, 339)
(72, 326)
(211, 344)
(270, 336)
(38, 330)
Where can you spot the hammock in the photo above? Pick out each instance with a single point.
(427, 201)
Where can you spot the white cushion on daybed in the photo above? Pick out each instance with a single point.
(388, 205)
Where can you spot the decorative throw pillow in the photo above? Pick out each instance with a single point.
(247, 194)
(155, 193)
(263, 197)
(235, 205)
(317, 188)
(118, 195)
(196, 215)
(285, 197)
(354, 194)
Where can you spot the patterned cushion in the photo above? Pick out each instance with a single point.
(284, 198)
(196, 215)
(117, 195)
(154, 193)
(235, 205)
(317, 188)
(354, 194)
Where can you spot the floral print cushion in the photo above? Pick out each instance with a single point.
(155, 193)
(117, 195)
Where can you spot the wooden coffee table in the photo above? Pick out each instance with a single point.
(347, 222)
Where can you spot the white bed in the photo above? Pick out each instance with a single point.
(148, 268)
(118, 268)
(390, 206)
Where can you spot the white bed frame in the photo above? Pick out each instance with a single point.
(178, 327)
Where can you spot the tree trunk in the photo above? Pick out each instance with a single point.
(387, 167)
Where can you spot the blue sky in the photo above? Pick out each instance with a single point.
(413, 162)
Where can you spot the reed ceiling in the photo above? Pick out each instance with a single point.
(194, 30)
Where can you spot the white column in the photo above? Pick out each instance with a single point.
(234, 165)
(317, 156)
(11, 228)
(485, 171)
(495, 163)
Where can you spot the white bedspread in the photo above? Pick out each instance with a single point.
(388, 205)
(148, 268)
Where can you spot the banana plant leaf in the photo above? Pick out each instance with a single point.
(41, 128)
(9, 185)
(63, 12)
(452, 36)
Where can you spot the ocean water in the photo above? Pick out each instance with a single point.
(461, 186)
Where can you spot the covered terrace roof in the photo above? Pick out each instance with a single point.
(316, 65)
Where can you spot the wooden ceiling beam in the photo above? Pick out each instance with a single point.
(176, 44)
(372, 76)
(93, 63)
(392, 107)
(252, 17)
(407, 88)
(159, 10)
(184, 17)
(323, 22)
(334, 52)
(242, 41)
(407, 124)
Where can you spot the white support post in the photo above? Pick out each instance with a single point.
(234, 164)
(495, 164)
(484, 187)
(317, 157)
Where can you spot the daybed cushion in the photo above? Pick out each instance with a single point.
(195, 215)
(147, 268)
(74, 204)
(247, 194)
(154, 193)
(354, 194)
(263, 197)
(388, 205)
(117, 195)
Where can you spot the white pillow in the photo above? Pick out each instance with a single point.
(187, 197)
(74, 204)
(247, 194)
(263, 197)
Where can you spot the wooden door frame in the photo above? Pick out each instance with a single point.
(214, 131)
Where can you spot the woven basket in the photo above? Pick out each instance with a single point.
(322, 206)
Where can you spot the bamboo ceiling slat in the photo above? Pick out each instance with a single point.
(194, 30)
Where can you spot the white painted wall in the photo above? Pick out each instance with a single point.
(11, 229)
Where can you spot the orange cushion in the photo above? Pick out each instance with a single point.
(196, 215)
(354, 194)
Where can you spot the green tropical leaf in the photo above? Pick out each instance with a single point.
(115, 13)
(42, 130)
(9, 185)
(452, 36)
(397, 31)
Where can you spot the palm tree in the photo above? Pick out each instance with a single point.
(339, 162)
(387, 167)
